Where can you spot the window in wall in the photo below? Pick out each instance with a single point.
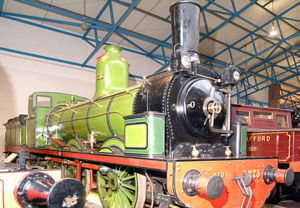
(243, 116)
(282, 121)
(263, 114)
(44, 101)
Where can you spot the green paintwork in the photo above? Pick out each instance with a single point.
(243, 139)
(95, 114)
(75, 143)
(104, 113)
(39, 126)
(137, 134)
(118, 188)
(38, 112)
(105, 150)
(111, 72)
(52, 143)
(135, 139)
(113, 142)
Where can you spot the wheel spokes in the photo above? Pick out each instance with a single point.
(109, 193)
(124, 173)
(129, 186)
(118, 188)
(123, 198)
(128, 178)
(127, 193)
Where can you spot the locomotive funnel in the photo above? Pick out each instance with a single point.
(185, 20)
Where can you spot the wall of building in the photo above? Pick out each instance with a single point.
(21, 75)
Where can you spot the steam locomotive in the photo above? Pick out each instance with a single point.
(165, 141)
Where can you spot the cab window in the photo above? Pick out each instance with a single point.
(243, 116)
(44, 101)
(281, 120)
(263, 114)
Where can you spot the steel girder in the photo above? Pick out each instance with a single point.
(265, 64)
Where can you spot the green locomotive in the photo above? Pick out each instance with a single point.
(174, 130)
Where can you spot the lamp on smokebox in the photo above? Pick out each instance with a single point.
(84, 26)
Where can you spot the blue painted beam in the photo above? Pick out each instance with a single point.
(6, 14)
(134, 44)
(114, 27)
(266, 60)
(164, 41)
(44, 57)
(39, 5)
(111, 11)
(78, 24)
(228, 20)
(1, 6)
(289, 94)
(297, 20)
(97, 17)
(55, 59)
(163, 67)
(275, 82)
(73, 34)
(93, 23)
(216, 11)
(254, 31)
(257, 101)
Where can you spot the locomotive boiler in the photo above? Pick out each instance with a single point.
(165, 141)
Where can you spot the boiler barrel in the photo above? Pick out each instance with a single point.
(103, 115)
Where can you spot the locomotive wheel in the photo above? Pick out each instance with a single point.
(121, 187)
(86, 180)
